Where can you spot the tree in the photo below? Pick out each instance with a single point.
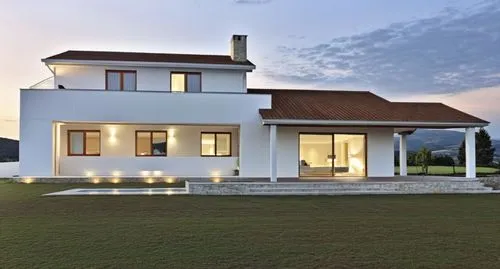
(461, 153)
(411, 158)
(423, 159)
(484, 149)
(443, 160)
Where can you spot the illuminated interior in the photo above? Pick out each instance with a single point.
(332, 155)
(178, 82)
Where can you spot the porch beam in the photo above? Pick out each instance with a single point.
(272, 153)
(403, 167)
(470, 152)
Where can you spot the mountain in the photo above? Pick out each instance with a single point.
(439, 141)
(9, 150)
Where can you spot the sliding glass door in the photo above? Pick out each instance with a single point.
(316, 155)
(327, 155)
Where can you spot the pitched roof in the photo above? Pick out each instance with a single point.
(355, 106)
(146, 57)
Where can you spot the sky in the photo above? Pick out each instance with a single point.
(413, 50)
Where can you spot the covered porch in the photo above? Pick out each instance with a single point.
(379, 119)
(144, 150)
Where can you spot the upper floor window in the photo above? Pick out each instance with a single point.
(185, 82)
(215, 144)
(121, 80)
(151, 143)
(84, 143)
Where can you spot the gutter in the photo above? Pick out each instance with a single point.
(149, 64)
(416, 124)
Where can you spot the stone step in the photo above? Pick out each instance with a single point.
(367, 189)
(332, 188)
(367, 186)
(366, 193)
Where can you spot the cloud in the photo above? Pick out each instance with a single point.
(454, 51)
(252, 1)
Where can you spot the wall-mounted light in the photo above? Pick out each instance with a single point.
(116, 173)
(112, 140)
(95, 180)
(115, 180)
(28, 180)
(157, 173)
(89, 173)
(150, 180)
(171, 136)
(145, 173)
(171, 133)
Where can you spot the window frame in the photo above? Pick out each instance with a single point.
(215, 144)
(68, 142)
(121, 72)
(151, 142)
(185, 80)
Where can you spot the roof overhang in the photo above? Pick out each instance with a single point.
(414, 124)
(247, 68)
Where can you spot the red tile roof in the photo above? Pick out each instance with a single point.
(355, 106)
(146, 57)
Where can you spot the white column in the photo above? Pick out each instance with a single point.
(272, 153)
(403, 168)
(470, 152)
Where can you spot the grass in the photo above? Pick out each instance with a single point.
(448, 170)
(434, 231)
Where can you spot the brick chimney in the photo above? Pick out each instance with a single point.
(239, 48)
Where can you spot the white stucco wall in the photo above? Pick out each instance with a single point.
(40, 108)
(9, 169)
(148, 78)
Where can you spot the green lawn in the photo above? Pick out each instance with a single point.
(434, 231)
(448, 170)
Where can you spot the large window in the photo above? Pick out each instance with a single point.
(215, 144)
(84, 143)
(151, 143)
(332, 154)
(185, 82)
(121, 80)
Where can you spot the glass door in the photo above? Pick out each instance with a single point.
(328, 155)
(350, 152)
(316, 155)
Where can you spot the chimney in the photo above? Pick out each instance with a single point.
(239, 48)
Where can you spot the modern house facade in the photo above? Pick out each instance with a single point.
(154, 114)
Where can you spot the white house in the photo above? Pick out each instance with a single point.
(155, 114)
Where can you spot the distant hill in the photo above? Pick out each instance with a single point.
(9, 150)
(439, 141)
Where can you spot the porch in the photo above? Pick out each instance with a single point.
(144, 150)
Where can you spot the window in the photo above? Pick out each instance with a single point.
(84, 143)
(121, 80)
(185, 82)
(215, 144)
(151, 143)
